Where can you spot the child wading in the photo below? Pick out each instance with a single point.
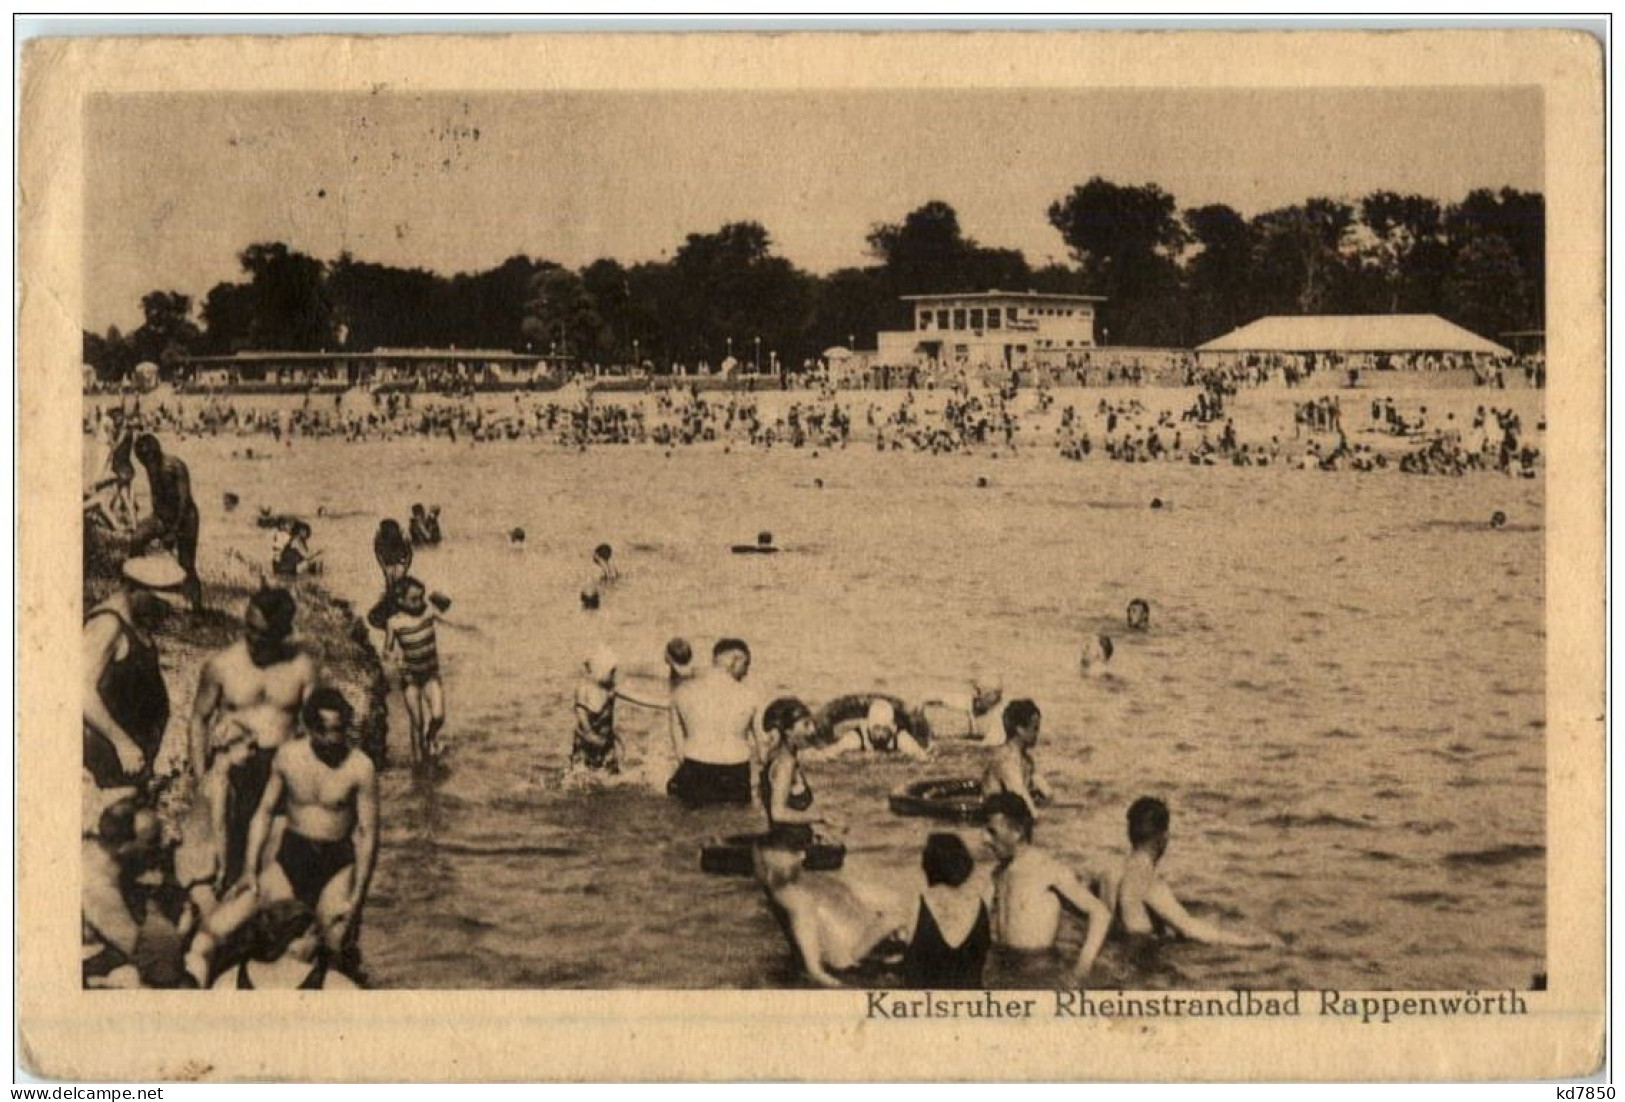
(412, 629)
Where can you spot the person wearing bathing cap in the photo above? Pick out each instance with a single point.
(596, 745)
(869, 723)
(125, 700)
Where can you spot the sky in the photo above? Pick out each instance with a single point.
(178, 184)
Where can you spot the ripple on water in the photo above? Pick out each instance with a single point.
(1496, 855)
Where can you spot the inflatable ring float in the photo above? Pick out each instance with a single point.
(733, 855)
(957, 799)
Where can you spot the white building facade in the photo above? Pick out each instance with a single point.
(992, 329)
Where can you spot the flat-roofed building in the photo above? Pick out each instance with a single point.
(992, 328)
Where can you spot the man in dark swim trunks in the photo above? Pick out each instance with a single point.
(258, 684)
(718, 717)
(331, 842)
(174, 518)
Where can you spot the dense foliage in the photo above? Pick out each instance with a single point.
(1172, 277)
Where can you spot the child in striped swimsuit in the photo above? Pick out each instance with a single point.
(411, 628)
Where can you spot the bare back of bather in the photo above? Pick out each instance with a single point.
(718, 717)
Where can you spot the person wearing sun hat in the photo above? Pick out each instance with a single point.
(125, 700)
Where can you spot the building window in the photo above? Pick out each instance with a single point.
(993, 318)
(976, 318)
(1010, 315)
(925, 319)
(942, 319)
(959, 319)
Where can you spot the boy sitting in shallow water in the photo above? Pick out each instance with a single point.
(1142, 902)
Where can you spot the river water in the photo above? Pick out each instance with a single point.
(1341, 696)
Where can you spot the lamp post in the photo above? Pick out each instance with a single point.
(730, 348)
(636, 362)
(756, 361)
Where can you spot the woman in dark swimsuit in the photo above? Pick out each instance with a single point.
(948, 946)
(786, 796)
(126, 698)
(284, 955)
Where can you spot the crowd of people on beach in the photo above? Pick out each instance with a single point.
(953, 420)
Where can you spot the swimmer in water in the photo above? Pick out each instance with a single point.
(969, 706)
(607, 572)
(1012, 768)
(1139, 614)
(1097, 652)
(1142, 902)
(883, 726)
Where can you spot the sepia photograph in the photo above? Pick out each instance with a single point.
(932, 540)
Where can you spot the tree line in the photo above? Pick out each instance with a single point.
(1171, 277)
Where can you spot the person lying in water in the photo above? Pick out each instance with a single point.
(831, 928)
(1143, 905)
(874, 723)
(964, 711)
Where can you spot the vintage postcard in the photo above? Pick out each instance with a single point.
(812, 556)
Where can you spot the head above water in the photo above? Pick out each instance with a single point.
(732, 655)
(1009, 823)
(1148, 821)
(602, 552)
(1097, 652)
(784, 719)
(680, 656)
(1139, 614)
(1021, 720)
(880, 725)
(946, 860)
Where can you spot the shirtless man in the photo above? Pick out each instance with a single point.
(1029, 888)
(1143, 902)
(174, 518)
(328, 850)
(258, 683)
(719, 745)
(1012, 768)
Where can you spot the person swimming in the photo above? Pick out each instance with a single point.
(607, 572)
(870, 723)
(1097, 653)
(1139, 614)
